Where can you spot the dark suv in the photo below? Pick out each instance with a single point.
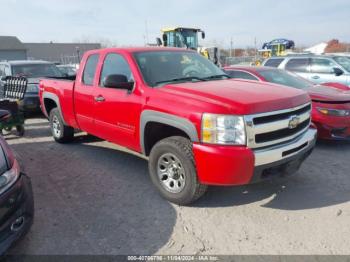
(316, 68)
(33, 71)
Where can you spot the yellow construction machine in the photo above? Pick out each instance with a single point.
(185, 37)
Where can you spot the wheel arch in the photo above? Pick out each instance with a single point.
(170, 124)
(51, 101)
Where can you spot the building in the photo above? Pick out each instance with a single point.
(64, 53)
(11, 48)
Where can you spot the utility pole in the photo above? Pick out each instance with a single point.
(231, 45)
(255, 51)
(146, 32)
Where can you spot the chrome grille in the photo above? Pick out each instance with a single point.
(271, 128)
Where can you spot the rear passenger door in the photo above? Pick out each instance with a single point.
(300, 66)
(83, 94)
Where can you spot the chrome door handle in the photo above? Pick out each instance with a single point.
(99, 99)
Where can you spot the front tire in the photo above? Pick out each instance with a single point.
(60, 132)
(173, 171)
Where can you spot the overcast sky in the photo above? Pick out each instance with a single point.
(124, 22)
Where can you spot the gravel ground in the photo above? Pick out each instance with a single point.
(92, 197)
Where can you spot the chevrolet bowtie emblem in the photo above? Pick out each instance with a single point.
(293, 122)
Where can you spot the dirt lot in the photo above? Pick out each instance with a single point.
(93, 198)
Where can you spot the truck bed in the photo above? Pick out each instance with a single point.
(59, 87)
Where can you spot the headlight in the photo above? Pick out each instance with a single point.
(333, 112)
(223, 129)
(32, 88)
(9, 177)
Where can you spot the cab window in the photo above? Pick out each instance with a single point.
(90, 69)
(115, 64)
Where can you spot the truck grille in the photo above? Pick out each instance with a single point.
(271, 128)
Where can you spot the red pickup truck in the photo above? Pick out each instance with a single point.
(177, 108)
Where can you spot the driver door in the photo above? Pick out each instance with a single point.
(117, 111)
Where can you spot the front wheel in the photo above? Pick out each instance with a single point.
(173, 171)
(60, 132)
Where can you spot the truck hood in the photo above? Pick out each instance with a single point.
(241, 96)
(320, 93)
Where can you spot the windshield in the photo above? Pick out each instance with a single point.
(160, 67)
(344, 61)
(285, 78)
(36, 70)
(190, 38)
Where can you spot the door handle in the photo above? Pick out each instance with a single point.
(315, 77)
(99, 99)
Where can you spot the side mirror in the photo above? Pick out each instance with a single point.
(159, 42)
(203, 34)
(338, 71)
(165, 40)
(4, 115)
(118, 81)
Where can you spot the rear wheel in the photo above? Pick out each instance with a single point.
(60, 132)
(173, 171)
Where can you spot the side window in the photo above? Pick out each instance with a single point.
(115, 64)
(7, 70)
(241, 75)
(298, 65)
(2, 70)
(90, 69)
(275, 62)
(323, 66)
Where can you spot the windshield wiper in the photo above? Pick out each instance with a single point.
(216, 77)
(190, 78)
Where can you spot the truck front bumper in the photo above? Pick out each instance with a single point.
(238, 165)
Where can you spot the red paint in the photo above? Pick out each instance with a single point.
(223, 165)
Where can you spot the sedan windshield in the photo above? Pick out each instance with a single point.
(162, 67)
(36, 70)
(285, 78)
(344, 61)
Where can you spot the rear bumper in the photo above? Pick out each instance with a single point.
(231, 165)
(16, 205)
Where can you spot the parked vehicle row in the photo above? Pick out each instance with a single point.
(330, 106)
(33, 71)
(317, 69)
(196, 126)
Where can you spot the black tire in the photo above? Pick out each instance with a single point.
(181, 149)
(20, 130)
(60, 132)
